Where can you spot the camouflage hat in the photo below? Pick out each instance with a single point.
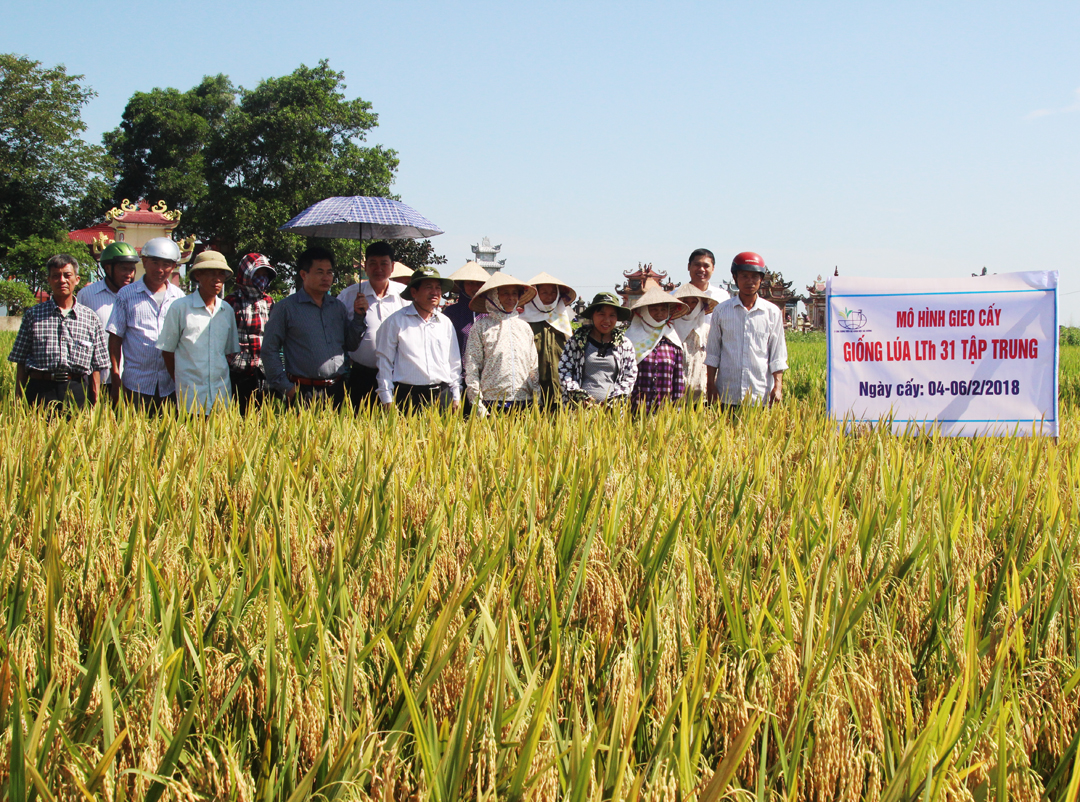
(422, 275)
(606, 299)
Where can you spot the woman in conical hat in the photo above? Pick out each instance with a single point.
(693, 330)
(658, 349)
(548, 313)
(500, 355)
(597, 366)
(469, 278)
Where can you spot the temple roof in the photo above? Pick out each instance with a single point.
(485, 246)
(88, 235)
(142, 214)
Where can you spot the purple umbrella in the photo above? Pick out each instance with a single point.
(360, 217)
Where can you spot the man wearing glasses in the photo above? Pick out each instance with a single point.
(309, 335)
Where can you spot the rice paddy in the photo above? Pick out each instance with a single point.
(581, 606)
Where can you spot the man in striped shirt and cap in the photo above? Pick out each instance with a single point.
(136, 322)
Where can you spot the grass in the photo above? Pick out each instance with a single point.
(581, 607)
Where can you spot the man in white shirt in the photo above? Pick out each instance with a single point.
(382, 302)
(118, 262)
(700, 266)
(747, 353)
(134, 326)
(417, 349)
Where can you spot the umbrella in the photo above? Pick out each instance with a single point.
(360, 217)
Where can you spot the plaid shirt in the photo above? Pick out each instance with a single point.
(251, 317)
(660, 376)
(49, 340)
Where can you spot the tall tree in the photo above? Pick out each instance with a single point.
(45, 166)
(291, 142)
(160, 146)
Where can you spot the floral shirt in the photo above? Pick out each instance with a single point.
(573, 359)
(500, 360)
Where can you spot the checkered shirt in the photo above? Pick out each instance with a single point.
(251, 317)
(660, 376)
(51, 341)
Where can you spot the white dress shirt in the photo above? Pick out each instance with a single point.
(101, 299)
(411, 350)
(746, 346)
(379, 309)
(199, 339)
(137, 320)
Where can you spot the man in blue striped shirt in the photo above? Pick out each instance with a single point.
(135, 324)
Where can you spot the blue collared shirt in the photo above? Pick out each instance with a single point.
(305, 339)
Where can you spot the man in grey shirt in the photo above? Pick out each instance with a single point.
(312, 332)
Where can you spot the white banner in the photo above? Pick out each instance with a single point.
(969, 356)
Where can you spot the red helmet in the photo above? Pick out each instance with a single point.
(749, 261)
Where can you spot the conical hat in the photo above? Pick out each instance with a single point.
(402, 273)
(470, 271)
(547, 278)
(690, 291)
(655, 295)
(500, 279)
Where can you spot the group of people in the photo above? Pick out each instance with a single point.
(502, 345)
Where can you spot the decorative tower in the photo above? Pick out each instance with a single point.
(484, 255)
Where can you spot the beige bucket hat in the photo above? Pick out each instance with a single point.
(690, 291)
(479, 301)
(655, 295)
(210, 260)
(470, 271)
(547, 278)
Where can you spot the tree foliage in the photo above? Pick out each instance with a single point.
(239, 163)
(25, 260)
(16, 296)
(159, 148)
(417, 253)
(45, 166)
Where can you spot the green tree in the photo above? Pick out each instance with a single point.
(16, 296)
(45, 166)
(238, 163)
(160, 146)
(289, 143)
(417, 253)
(25, 260)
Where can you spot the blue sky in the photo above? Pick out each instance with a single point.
(919, 138)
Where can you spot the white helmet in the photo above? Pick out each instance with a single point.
(161, 248)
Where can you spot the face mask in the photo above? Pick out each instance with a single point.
(647, 315)
(260, 283)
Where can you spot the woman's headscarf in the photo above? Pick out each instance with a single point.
(646, 332)
(556, 314)
(251, 288)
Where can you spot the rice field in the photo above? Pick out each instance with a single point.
(583, 606)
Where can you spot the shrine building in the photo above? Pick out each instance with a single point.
(640, 280)
(135, 224)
